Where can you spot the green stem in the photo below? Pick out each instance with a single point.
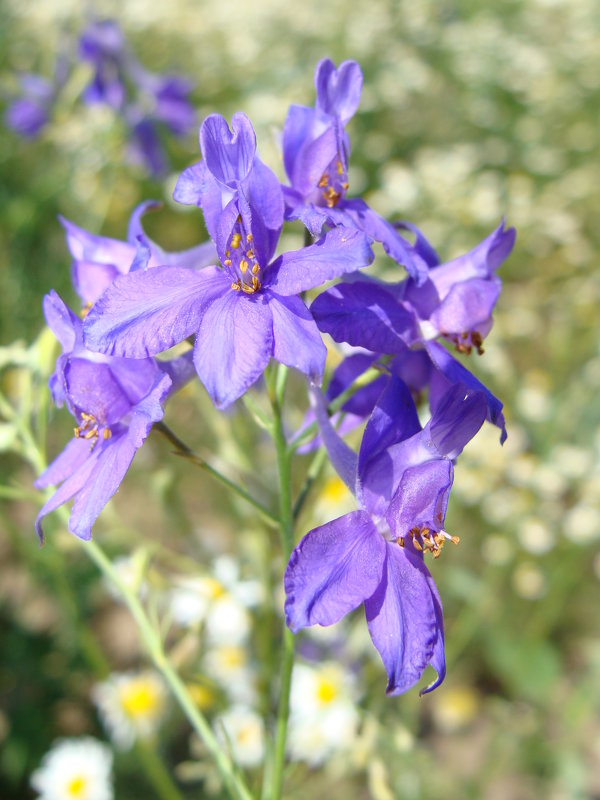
(188, 453)
(287, 541)
(232, 781)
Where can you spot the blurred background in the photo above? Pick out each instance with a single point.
(470, 112)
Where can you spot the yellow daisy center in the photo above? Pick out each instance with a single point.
(327, 691)
(139, 698)
(76, 787)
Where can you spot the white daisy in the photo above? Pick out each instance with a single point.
(242, 729)
(75, 769)
(323, 717)
(130, 705)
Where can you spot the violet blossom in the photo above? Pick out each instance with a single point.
(246, 310)
(316, 150)
(374, 556)
(114, 401)
(98, 260)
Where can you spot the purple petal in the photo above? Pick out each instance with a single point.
(233, 345)
(379, 229)
(481, 262)
(149, 311)
(333, 569)
(228, 153)
(69, 488)
(85, 246)
(467, 307)
(340, 251)
(65, 464)
(422, 247)
(135, 376)
(456, 420)
(393, 420)
(27, 116)
(364, 314)
(90, 279)
(338, 91)
(263, 193)
(296, 338)
(309, 146)
(450, 371)
(422, 497)
(61, 321)
(343, 459)
(114, 461)
(191, 185)
(404, 620)
(91, 388)
(181, 370)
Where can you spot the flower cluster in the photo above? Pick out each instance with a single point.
(243, 302)
(144, 101)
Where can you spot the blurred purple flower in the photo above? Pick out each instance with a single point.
(115, 401)
(402, 479)
(246, 311)
(28, 114)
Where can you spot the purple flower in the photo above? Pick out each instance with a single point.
(28, 114)
(114, 401)
(315, 155)
(245, 311)
(98, 260)
(103, 45)
(374, 556)
(145, 100)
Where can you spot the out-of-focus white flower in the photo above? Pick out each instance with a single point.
(75, 769)
(131, 705)
(220, 600)
(228, 665)
(323, 717)
(242, 729)
(191, 598)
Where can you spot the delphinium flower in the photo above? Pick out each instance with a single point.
(145, 101)
(246, 310)
(402, 320)
(131, 705)
(98, 260)
(29, 113)
(374, 556)
(316, 150)
(114, 402)
(75, 769)
(323, 715)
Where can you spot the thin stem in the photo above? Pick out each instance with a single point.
(287, 541)
(232, 781)
(187, 452)
(311, 476)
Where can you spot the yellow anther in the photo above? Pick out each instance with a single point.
(235, 240)
(323, 182)
(236, 286)
(227, 262)
(340, 168)
(250, 253)
(417, 545)
(107, 433)
(455, 539)
(255, 283)
(85, 310)
(91, 434)
(243, 265)
(255, 269)
(248, 237)
(227, 253)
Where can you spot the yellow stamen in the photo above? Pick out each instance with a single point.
(235, 240)
(243, 266)
(250, 254)
(340, 168)
(236, 286)
(227, 262)
(85, 310)
(255, 269)
(248, 237)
